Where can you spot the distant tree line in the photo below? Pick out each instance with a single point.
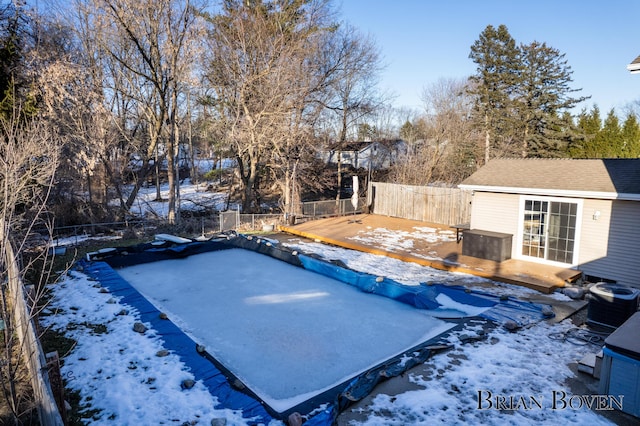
(519, 103)
(134, 89)
(265, 82)
(608, 139)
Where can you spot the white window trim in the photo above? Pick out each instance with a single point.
(576, 246)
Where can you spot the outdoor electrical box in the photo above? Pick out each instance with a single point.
(486, 244)
(620, 375)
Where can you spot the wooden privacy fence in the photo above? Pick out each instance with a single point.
(447, 206)
(25, 329)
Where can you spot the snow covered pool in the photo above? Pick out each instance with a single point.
(289, 334)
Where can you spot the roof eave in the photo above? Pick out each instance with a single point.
(553, 192)
(634, 68)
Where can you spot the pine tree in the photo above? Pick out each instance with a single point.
(522, 94)
(10, 57)
(544, 95)
(16, 30)
(494, 85)
(608, 141)
(589, 124)
(631, 137)
(571, 133)
(562, 135)
(408, 132)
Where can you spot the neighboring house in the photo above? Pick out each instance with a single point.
(583, 214)
(634, 67)
(373, 155)
(183, 159)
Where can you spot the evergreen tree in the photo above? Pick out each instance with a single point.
(544, 96)
(608, 141)
(14, 29)
(631, 137)
(589, 123)
(366, 132)
(522, 94)
(562, 135)
(408, 132)
(498, 69)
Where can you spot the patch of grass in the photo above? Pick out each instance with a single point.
(17, 373)
(259, 233)
(214, 174)
(40, 265)
(80, 412)
(95, 328)
(52, 340)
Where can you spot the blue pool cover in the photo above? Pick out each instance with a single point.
(218, 380)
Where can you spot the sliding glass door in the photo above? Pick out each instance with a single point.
(549, 230)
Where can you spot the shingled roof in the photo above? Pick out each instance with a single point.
(597, 178)
(634, 66)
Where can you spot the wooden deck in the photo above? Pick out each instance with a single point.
(445, 255)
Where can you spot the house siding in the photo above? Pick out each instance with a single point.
(610, 246)
(496, 212)
(607, 246)
(594, 234)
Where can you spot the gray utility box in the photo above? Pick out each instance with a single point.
(486, 244)
(620, 374)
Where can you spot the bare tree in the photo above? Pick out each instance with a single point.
(148, 49)
(264, 77)
(28, 161)
(31, 145)
(384, 121)
(449, 108)
(68, 100)
(354, 93)
(447, 146)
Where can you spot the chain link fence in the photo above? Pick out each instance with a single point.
(234, 220)
(190, 224)
(319, 209)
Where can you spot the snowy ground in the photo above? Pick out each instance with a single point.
(117, 371)
(192, 197)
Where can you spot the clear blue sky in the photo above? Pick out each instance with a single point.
(424, 40)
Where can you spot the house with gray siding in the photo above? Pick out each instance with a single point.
(371, 155)
(577, 213)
